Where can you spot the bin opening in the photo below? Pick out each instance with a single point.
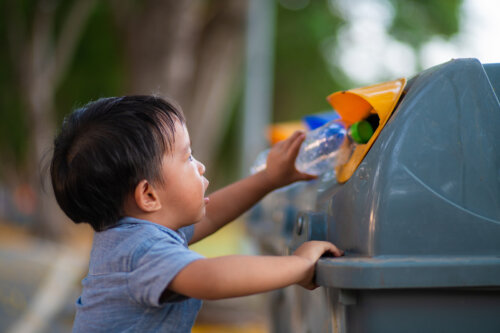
(374, 104)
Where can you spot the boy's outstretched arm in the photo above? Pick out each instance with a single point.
(228, 203)
(234, 276)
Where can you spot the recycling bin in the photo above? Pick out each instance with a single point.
(416, 209)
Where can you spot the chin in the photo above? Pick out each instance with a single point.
(200, 217)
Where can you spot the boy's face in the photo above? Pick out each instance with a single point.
(183, 194)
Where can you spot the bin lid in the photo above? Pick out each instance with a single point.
(389, 272)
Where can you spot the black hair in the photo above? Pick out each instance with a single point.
(105, 149)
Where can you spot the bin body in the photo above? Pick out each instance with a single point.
(419, 219)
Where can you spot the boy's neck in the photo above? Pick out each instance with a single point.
(164, 221)
(160, 217)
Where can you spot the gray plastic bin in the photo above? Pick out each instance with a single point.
(419, 219)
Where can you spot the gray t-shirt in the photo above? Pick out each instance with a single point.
(130, 267)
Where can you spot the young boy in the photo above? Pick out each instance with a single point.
(124, 165)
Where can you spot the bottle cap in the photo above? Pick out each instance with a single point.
(361, 132)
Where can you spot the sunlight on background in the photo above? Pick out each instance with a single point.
(368, 54)
(478, 36)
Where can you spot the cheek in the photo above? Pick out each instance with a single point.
(193, 188)
(188, 187)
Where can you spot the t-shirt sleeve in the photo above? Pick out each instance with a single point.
(153, 271)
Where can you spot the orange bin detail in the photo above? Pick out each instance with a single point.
(357, 104)
(281, 131)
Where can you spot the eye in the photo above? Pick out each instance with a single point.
(191, 158)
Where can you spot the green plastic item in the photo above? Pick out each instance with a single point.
(361, 132)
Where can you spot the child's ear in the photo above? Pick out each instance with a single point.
(146, 197)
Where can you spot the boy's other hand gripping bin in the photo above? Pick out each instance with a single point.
(417, 212)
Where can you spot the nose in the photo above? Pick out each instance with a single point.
(201, 167)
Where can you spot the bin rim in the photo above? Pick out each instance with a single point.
(399, 271)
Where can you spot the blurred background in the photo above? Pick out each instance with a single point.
(234, 66)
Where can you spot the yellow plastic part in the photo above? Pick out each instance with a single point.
(281, 131)
(357, 104)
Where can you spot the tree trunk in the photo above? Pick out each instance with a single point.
(41, 64)
(190, 51)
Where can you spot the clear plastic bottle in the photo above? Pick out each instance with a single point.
(320, 151)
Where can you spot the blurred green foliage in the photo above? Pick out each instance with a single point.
(303, 78)
(98, 68)
(13, 125)
(417, 21)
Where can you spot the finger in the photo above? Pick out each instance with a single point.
(333, 249)
(294, 147)
(306, 176)
(292, 138)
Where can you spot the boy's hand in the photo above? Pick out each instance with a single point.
(280, 165)
(312, 251)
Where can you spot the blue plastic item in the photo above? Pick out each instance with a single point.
(316, 120)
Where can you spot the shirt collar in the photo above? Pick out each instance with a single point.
(133, 220)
